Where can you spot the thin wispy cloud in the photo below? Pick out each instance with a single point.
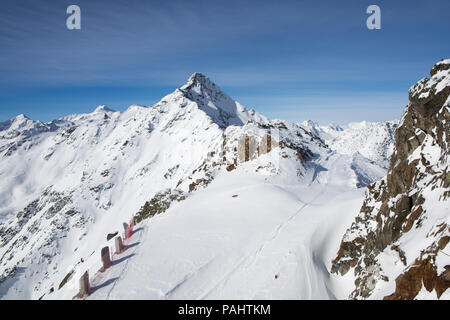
(256, 49)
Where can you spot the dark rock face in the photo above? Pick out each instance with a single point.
(159, 203)
(406, 213)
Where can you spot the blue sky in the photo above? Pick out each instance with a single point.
(293, 60)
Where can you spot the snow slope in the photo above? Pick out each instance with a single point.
(273, 240)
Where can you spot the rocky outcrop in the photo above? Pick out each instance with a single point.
(399, 233)
(159, 203)
(423, 272)
(251, 147)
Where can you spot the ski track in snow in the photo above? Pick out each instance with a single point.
(254, 256)
(246, 260)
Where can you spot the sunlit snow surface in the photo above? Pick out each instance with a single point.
(275, 240)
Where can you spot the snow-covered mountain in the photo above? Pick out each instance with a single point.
(230, 204)
(373, 140)
(397, 247)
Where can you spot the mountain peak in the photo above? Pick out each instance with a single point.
(21, 117)
(222, 109)
(103, 108)
(198, 77)
(198, 83)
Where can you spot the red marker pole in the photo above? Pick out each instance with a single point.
(130, 228)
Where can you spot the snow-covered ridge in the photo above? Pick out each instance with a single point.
(373, 140)
(22, 125)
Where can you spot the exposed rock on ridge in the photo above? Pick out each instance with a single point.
(403, 225)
